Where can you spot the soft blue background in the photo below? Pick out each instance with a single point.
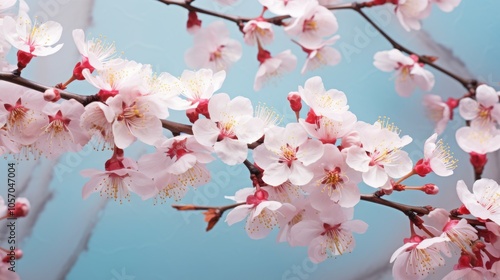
(66, 237)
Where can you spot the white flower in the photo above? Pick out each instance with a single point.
(484, 202)
(331, 103)
(275, 66)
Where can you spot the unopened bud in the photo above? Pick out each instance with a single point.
(52, 95)
(430, 189)
(21, 208)
(193, 23)
(422, 168)
(478, 161)
(13, 255)
(295, 101)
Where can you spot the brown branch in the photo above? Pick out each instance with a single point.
(212, 214)
(406, 209)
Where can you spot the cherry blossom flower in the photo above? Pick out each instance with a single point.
(331, 103)
(165, 90)
(410, 12)
(314, 23)
(95, 53)
(303, 211)
(115, 78)
(273, 66)
(22, 110)
(446, 5)
(33, 40)
(409, 72)
(198, 87)
(321, 54)
(328, 130)
(213, 48)
(330, 235)
(437, 158)
(484, 202)
(63, 132)
(135, 118)
(478, 139)
(287, 154)
(94, 120)
(268, 115)
(485, 110)
(334, 179)
(230, 128)
(118, 180)
(464, 270)
(258, 31)
(262, 213)
(7, 4)
(284, 7)
(438, 111)
(380, 156)
(418, 257)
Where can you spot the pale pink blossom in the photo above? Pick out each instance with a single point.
(485, 110)
(484, 201)
(114, 78)
(287, 154)
(303, 211)
(464, 270)
(380, 157)
(437, 158)
(329, 103)
(230, 128)
(258, 31)
(94, 121)
(37, 39)
(410, 12)
(165, 90)
(286, 192)
(438, 111)
(21, 111)
(446, 5)
(5, 4)
(118, 180)
(213, 48)
(409, 72)
(334, 179)
(274, 66)
(285, 7)
(95, 52)
(418, 257)
(330, 235)
(479, 139)
(63, 133)
(268, 115)
(135, 118)
(312, 25)
(321, 54)
(262, 214)
(328, 130)
(199, 86)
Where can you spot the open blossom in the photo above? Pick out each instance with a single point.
(418, 257)
(118, 180)
(329, 103)
(321, 54)
(199, 86)
(21, 111)
(213, 48)
(63, 132)
(284, 7)
(134, 118)
(380, 157)
(95, 53)
(258, 31)
(230, 128)
(262, 213)
(484, 202)
(464, 270)
(178, 162)
(334, 179)
(331, 234)
(273, 66)
(287, 154)
(437, 158)
(314, 23)
(37, 39)
(328, 130)
(409, 72)
(94, 121)
(410, 12)
(478, 139)
(303, 211)
(485, 110)
(438, 111)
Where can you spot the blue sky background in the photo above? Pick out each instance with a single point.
(67, 237)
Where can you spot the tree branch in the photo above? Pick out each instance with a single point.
(406, 209)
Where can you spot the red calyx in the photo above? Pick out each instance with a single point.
(192, 115)
(193, 20)
(257, 197)
(312, 118)
(80, 66)
(263, 55)
(430, 189)
(422, 168)
(478, 161)
(20, 210)
(295, 101)
(23, 58)
(202, 108)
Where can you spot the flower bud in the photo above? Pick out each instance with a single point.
(295, 101)
(430, 189)
(422, 168)
(193, 23)
(52, 95)
(21, 208)
(13, 255)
